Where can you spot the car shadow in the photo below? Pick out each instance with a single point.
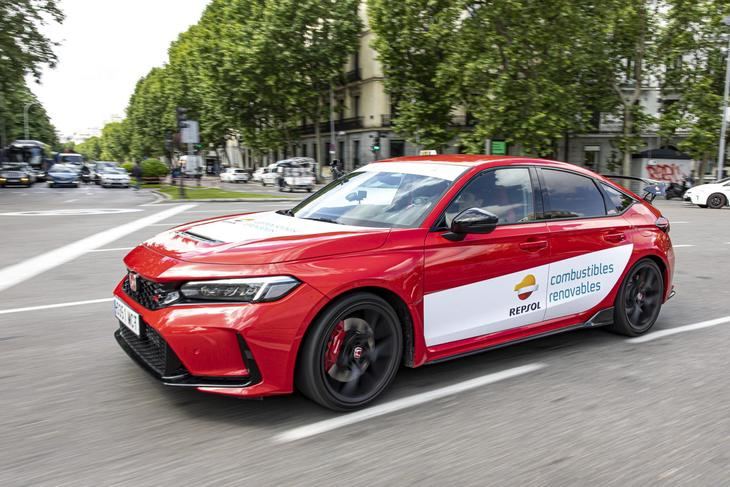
(277, 412)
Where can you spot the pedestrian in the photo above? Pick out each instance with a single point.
(137, 174)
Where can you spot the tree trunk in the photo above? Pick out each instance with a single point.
(628, 128)
(318, 139)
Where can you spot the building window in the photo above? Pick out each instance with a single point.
(397, 148)
(356, 106)
(355, 154)
(592, 156)
(304, 150)
(341, 153)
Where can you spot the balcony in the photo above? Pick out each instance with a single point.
(344, 124)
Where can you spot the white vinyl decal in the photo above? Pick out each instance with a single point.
(561, 288)
(261, 226)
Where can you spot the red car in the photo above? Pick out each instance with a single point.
(402, 262)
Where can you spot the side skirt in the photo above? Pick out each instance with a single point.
(601, 318)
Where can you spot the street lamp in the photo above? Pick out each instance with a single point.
(723, 128)
(25, 117)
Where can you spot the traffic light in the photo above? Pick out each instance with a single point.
(375, 146)
(181, 117)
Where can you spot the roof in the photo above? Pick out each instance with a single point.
(661, 153)
(484, 161)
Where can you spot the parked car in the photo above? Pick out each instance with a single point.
(98, 167)
(114, 176)
(63, 175)
(714, 195)
(235, 175)
(16, 174)
(453, 255)
(258, 174)
(294, 177)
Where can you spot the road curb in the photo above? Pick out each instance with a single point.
(166, 198)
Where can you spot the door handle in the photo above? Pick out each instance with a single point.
(614, 237)
(533, 245)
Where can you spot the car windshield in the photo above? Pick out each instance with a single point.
(71, 158)
(382, 195)
(13, 167)
(113, 170)
(60, 169)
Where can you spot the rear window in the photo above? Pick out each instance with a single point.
(571, 195)
(617, 201)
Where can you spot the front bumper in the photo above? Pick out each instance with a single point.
(245, 350)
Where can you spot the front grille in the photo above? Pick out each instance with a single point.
(149, 294)
(153, 350)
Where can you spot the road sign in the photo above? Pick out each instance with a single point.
(499, 147)
(189, 134)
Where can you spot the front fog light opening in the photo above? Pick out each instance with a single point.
(250, 290)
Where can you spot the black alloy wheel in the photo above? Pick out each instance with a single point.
(716, 201)
(351, 353)
(639, 299)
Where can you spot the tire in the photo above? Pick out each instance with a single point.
(337, 361)
(716, 201)
(639, 299)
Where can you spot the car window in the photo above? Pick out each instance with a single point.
(571, 195)
(375, 199)
(618, 201)
(506, 192)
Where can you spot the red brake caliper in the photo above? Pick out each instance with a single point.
(334, 345)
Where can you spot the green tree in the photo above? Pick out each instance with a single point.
(414, 39)
(692, 45)
(24, 50)
(90, 148)
(530, 71)
(114, 142)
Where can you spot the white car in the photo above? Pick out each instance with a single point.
(114, 176)
(256, 176)
(270, 176)
(713, 195)
(235, 175)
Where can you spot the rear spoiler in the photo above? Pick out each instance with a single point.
(648, 188)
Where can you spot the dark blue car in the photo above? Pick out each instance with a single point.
(62, 175)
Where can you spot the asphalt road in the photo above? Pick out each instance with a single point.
(75, 410)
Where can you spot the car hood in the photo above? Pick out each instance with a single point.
(263, 238)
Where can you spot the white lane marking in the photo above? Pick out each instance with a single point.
(111, 250)
(70, 201)
(403, 403)
(22, 271)
(51, 306)
(680, 329)
(683, 245)
(167, 224)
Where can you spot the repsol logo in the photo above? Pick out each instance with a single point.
(525, 308)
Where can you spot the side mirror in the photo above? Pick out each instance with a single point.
(357, 196)
(472, 220)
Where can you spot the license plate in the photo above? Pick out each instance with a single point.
(126, 315)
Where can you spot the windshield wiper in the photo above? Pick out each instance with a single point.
(322, 219)
(285, 212)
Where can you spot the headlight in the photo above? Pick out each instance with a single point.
(252, 290)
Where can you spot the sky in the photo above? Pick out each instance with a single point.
(106, 46)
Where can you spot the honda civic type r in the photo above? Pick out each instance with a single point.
(401, 263)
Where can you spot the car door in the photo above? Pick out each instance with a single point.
(486, 283)
(590, 240)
